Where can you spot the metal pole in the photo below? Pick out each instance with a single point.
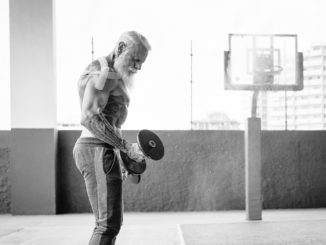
(286, 110)
(253, 163)
(92, 49)
(191, 85)
(254, 104)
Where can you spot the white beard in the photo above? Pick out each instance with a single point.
(128, 80)
(122, 70)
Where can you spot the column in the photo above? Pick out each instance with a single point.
(33, 106)
(253, 169)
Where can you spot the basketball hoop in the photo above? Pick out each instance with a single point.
(263, 62)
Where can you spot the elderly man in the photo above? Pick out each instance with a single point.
(104, 98)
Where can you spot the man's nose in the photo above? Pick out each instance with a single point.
(138, 66)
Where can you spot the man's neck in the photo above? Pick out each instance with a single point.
(110, 60)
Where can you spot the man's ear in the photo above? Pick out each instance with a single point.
(121, 48)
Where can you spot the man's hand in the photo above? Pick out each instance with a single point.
(134, 152)
(133, 178)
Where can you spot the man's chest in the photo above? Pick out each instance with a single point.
(118, 90)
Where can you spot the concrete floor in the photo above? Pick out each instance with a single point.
(302, 226)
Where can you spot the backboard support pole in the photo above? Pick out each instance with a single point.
(253, 163)
(260, 62)
(253, 169)
(254, 104)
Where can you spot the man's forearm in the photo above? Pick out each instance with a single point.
(101, 128)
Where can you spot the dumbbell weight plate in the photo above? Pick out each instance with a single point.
(150, 144)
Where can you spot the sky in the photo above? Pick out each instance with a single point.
(161, 98)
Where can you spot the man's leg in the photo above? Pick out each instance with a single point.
(101, 171)
(109, 197)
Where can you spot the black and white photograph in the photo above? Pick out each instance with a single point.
(175, 122)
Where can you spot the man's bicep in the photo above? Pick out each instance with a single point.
(89, 98)
(93, 73)
(99, 83)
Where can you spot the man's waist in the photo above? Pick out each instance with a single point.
(93, 141)
(88, 134)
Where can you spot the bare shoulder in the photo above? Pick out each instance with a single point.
(93, 66)
(87, 73)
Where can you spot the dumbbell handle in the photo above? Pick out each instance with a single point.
(131, 165)
(150, 145)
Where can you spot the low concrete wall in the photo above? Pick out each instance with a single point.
(204, 170)
(33, 168)
(5, 194)
(201, 170)
(294, 169)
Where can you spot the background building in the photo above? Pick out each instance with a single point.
(216, 121)
(302, 110)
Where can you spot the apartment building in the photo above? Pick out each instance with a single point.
(301, 110)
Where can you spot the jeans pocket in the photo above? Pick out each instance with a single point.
(108, 158)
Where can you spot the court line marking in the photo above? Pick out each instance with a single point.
(181, 238)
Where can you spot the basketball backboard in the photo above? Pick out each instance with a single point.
(263, 62)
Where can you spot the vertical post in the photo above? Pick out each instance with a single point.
(92, 49)
(253, 169)
(254, 104)
(191, 86)
(33, 107)
(286, 109)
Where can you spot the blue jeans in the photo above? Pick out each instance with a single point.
(99, 165)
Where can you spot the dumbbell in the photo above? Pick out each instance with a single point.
(151, 146)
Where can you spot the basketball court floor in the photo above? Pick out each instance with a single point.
(300, 226)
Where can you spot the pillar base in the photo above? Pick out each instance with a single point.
(253, 169)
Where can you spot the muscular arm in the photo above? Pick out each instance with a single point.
(101, 128)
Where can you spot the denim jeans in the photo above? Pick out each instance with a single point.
(99, 165)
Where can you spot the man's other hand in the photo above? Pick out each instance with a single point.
(135, 153)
